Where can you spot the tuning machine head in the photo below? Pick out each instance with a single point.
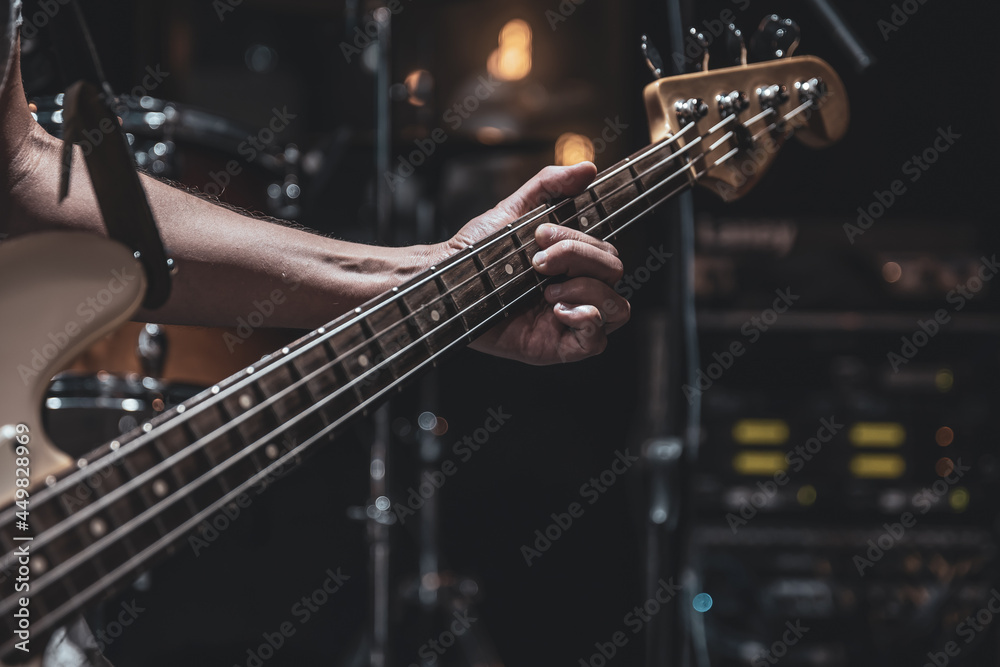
(653, 58)
(690, 110)
(775, 38)
(813, 90)
(736, 49)
(696, 45)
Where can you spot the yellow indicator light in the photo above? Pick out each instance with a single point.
(759, 463)
(943, 380)
(959, 499)
(806, 495)
(760, 431)
(878, 466)
(877, 434)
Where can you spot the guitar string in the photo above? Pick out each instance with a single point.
(187, 490)
(76, 476)
(232, 424)
(151, 551)
(184, 453)
(528, 218)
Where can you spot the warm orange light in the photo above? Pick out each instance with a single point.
(944, 436)
(441, 427)
(489, 135)
(944, 467)
(512, 59)
(892, 272)
(573, 148)
(418, 87)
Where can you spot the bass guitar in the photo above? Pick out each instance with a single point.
(71, 530)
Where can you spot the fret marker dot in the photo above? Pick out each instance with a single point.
(357, 310)
(50, 480)
(245, 401)
(395, 289)
(284, 350)
(250, 370)
(509, 269)
(435, 315)
(584, 222)
(115, 444)
(98, 527)
(147, 427)
(160, 488)
(82, 463)
(215, 389)
(321, 330)
(39, 564)
(271, 451)
(181, 408)
(362, 361)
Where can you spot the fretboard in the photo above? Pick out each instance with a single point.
(132, 500)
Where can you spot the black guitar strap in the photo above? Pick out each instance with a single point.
(10, 19)
(90, 122)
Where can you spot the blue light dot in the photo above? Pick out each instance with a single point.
(702, 602)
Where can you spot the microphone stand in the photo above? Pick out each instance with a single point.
(671, 439)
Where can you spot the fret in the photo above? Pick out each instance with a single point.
(358, 358)
(276, 378)
(467, 291)
(429, 309)
(617, 195)
(353, 362)
(643, 202)
(484, 275)
(184, 471)
(396, 336)
(107, 478)
(219, 447)
(325, 384)
(525, 234)
(507, 261)
(654, 173)
(317, 356)
(567, 209)
(255, 422)
(137, 462)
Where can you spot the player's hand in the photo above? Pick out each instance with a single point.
(574, 319)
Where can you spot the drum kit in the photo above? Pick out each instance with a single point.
(129, 376)
(143, 369)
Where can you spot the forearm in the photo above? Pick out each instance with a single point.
(226, 261)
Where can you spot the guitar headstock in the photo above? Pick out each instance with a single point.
(771, 101)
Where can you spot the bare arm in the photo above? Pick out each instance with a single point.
(227, 260)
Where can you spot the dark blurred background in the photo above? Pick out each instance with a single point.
(567, 72)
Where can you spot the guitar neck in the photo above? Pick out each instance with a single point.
(130, 501)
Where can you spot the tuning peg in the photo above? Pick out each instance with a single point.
(736, 49)
(696, 51)
(775, 38)
(653, 59)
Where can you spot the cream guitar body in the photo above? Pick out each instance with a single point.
(61, 291)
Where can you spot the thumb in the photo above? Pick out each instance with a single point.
(546, 186)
